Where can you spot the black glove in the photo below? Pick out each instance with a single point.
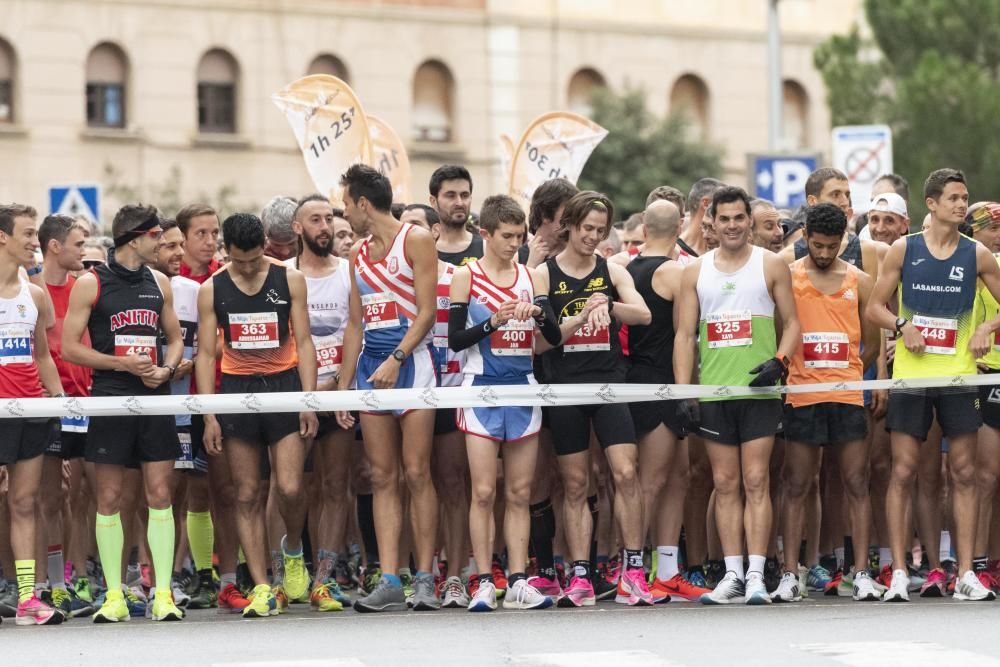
(769, 373)
(689, 414)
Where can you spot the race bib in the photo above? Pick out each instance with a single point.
(126, 345)
(588, 339)
(379, 311)
(825, 349)
(732, 329)
(940, 333)
(186, 460)
(513, 339)
(329, 352)
(253, 331)
(15, 345)
(74, 424)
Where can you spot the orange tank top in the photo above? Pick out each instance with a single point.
(831, 338)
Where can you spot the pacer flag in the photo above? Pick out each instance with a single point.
(330, 127)
(389, 156)
(555, 145)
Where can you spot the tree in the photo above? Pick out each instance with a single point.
(642, 152)
(931, 72)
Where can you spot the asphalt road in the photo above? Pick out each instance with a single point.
(828, 631)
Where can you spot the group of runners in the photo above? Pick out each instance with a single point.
(726, 498)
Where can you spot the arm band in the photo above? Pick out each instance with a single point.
(460, 338)
(547, 321)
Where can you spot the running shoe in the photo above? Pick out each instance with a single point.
(678, 588)
(114, 609)
(729, 591)
(885, 576)
(803, 578)
(8, 600)
(756, 591)
(715, 572)
(164, 608)
(231, 601)
(563, 580)
(818, 578)
(898, 587)
(384, 597)
(372, 578)
(523, 595)
(472, 587)
(546, 586)
(181, 598)
(614, 569)
(406, 579)
(81, 586)
(79, 608)
(296, 578)
(845, 588)
(499, 577)
(633, 589)
(935, 585)
(454, 596)
(579, 593)
(772, 574)
(917, 579)
(204, 597)
(424, 597)
(262, 603)
(969, 587)
(604, 589)
(57, 598)
(788, 589)
(864, 588)
(987, 580)
(136, 605)
(35, 612)
(342, 573)
(485, 598)
(696, 577)
(280, 597)
(321, 600)
(337, 593)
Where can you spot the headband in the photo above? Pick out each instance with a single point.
(140, 229)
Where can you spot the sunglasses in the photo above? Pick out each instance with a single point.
(91, 263)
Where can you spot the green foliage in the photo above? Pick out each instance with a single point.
(642, 152)
(932, 72)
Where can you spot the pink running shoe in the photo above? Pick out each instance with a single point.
(546, 586)
(934, 587)
(35, 612)
(633, 590)
(579, 593)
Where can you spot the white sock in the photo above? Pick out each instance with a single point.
(56, 567)
(227, 578)
(735, 564)
(666, 562)
(884, 557)
(838, 553)
(944, 553)
(757, 564)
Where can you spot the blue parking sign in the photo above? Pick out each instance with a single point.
(781, 178)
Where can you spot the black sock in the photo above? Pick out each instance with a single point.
(581, 568)
(485, 577)
(515, 577)
(633, 559)
(543, 530)
(205, 578)
(848, 553)
(802, 553)
(592, 506)
(366, 523)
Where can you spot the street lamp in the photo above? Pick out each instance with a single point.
(774, 91)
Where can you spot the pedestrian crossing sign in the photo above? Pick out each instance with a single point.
(74, 200)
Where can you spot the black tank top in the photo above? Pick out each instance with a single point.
(592, 356)
(125, 319)
(652, 345)
(851, 254)
(463, 257)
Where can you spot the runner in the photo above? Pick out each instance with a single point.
(25, 368)
(343, 235)
(592, 299)
(262, 310)
(633, 235)
(126, 307)
(663, 451)
(393, 299)
(451, 197)
(885, 184)
(493, 313)
(767, 231)
(935, 272)
(730, 296)
(547, 205)
(830, 298)
(328, 286)
(693, 240)
(277, 215)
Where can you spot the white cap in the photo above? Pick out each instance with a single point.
(889, 202)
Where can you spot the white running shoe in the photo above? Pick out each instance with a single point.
(485, 598)
(756, 590)
(522, 595)
(968, 587)
(788, 589)
(898, 591)
(455, 596)
(728, 591)
(864, 588)
(803, 577)
(181, 598)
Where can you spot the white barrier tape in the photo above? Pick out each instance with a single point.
(439, 397)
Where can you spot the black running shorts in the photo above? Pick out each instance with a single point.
(739, 420)
(131, 440)
(912, 410)
(571, 424)
(261, 428)
(989, 402)
(24, 439)
(826, 423)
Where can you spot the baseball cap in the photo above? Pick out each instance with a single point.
(890, 202)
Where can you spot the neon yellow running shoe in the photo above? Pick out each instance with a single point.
(113, 610)
(262, 603)
(296, 577)
(280, 598)
(164, 608)
(321, 600)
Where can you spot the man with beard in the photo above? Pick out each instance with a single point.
(767, 231)
(451, 196)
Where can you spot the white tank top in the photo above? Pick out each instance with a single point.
(328, 299)
(743, 290)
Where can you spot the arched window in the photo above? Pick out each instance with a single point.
(433, 99)
(107, 75)
(329, 64)
(689, 97)
(8, 67)
(581, 89)
(218, 78)
(795, 115)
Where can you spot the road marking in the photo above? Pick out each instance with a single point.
(903, 654)
(587, 658)
(333, 662)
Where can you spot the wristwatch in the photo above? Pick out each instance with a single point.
(399, 355)
(173, 371)
(785, 361)
(900, 323)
